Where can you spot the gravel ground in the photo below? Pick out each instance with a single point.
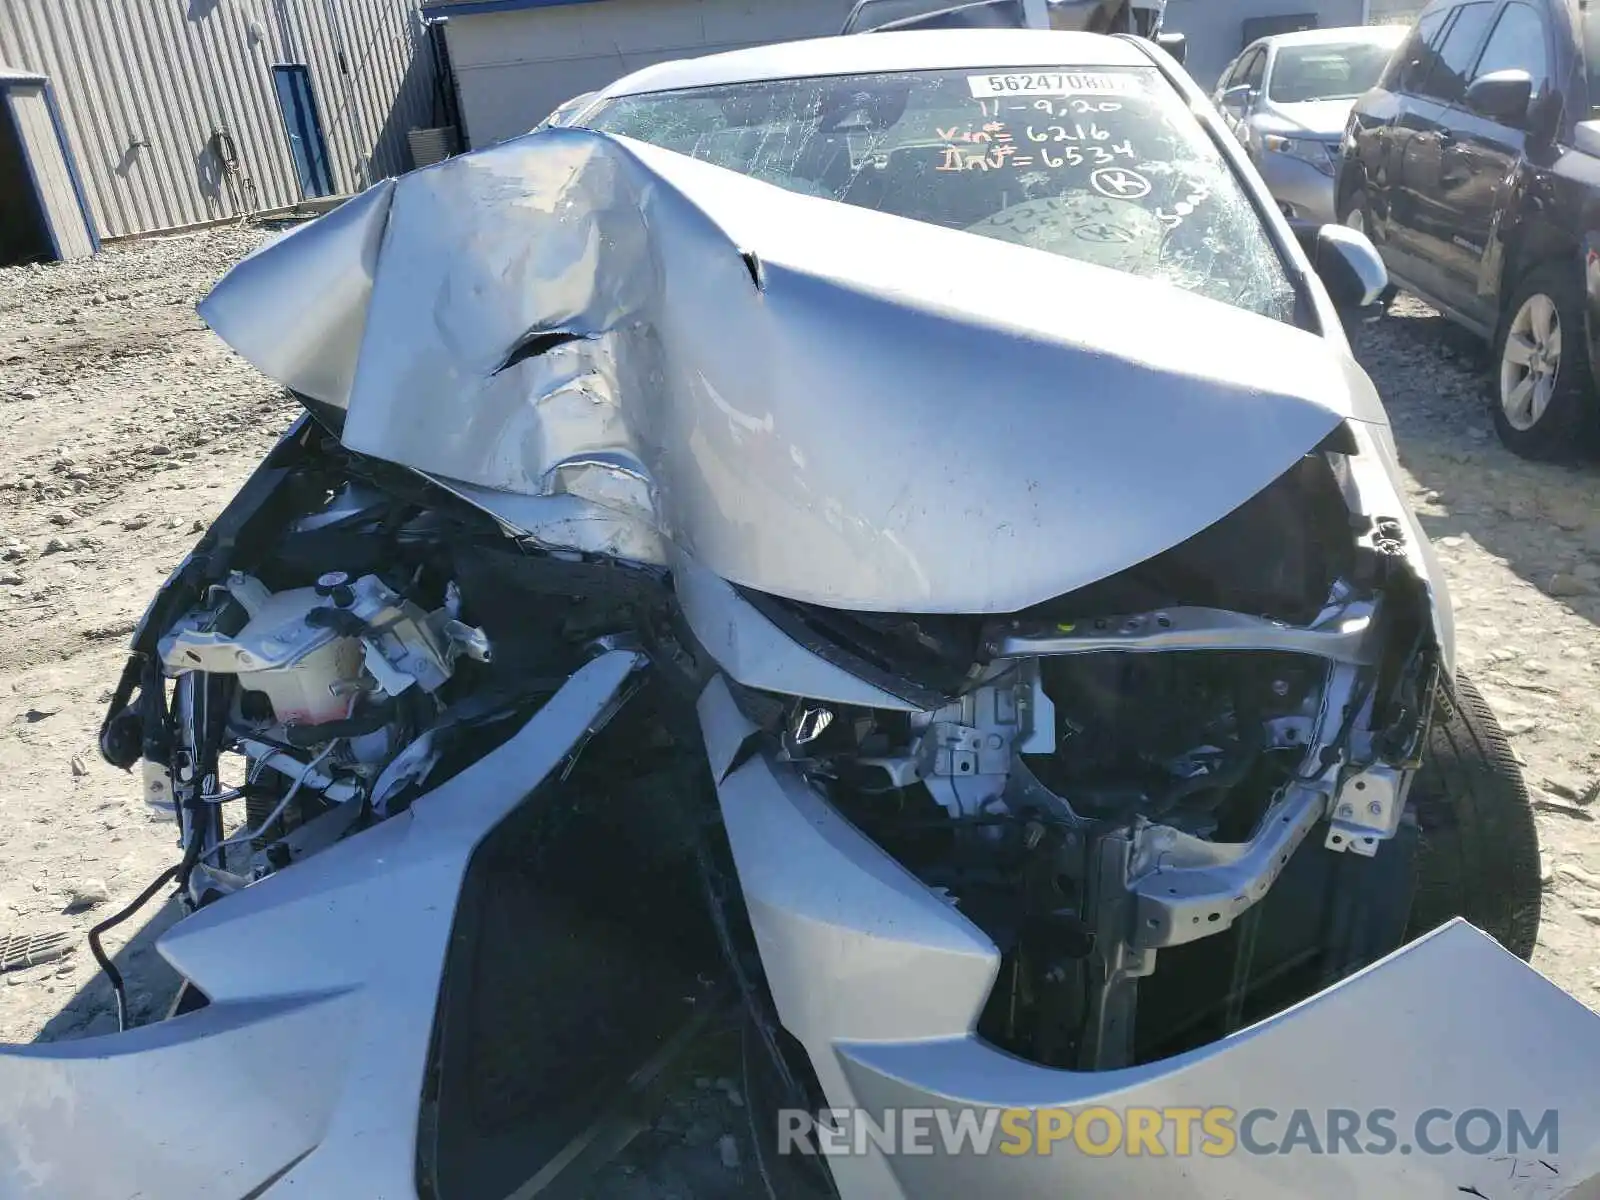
(1520, 545)
(129, 426)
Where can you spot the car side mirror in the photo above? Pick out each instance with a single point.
(1238, 96)
(1501, 96)
(1348, 265)
(1175, 44)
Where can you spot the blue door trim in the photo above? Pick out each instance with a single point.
(302, 126)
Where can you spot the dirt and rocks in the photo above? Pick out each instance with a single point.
(1520, 546)
(128, 426)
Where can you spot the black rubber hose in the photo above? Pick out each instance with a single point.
(118, 988)
(370, 719)
(181, 872)
(1252, 739)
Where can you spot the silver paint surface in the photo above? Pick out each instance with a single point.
(869, 413)
(1360, 256)
(755, 652)
(1450, 1021)
(323, 982)
(297, 306)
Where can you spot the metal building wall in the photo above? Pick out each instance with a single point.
(144, 84)
(514, 66)
(1215, 28)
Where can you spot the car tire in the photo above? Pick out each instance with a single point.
(1357, 215)
(1542, 391)
(1478, 850)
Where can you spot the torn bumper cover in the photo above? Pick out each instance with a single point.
(314, 1049)
(1450, 1022)
(306, 1070)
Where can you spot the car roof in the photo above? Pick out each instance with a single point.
(1378, 35)
(860, 54)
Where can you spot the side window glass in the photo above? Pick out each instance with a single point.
(1517, 44)
(1409, 67)
(1447, 79)
(1256, 70)
(1229, 74)
(1240, 76)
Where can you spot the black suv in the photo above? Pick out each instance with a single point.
(1474, 166)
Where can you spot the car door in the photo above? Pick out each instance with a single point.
(1230, 74)
(1380, 126)
(1236, 109)
(1419, 224)
(1479, 163)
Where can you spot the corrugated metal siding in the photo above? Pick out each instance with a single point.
(1215, 28)
(514, 67)
(144, 84)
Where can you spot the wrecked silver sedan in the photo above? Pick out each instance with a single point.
(889, 524)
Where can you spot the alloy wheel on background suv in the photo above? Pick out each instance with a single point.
(1530, 360)
(1543, 392)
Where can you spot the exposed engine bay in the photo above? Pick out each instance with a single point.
(1115, 773)
(334, 672)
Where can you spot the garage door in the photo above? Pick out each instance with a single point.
(44, 166)
(514, 67)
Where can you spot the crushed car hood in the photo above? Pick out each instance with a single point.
(611, 347)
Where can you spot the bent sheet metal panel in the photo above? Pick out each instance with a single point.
(871, 412)
(297, 306)
(137, 1113)
(323, 983)
(1451, 1021)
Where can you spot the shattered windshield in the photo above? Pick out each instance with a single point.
(1104, 165)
